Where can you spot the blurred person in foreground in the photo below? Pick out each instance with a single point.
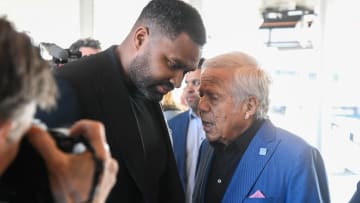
(25, 82)
(245, 158)
(187, 132)
(123, 86)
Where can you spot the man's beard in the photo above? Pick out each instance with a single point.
(140, 76)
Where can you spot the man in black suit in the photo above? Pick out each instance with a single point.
(122, 87)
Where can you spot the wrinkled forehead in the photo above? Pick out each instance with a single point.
(209, 79)
(215, 78)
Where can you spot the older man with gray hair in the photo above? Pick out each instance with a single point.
(246, 157)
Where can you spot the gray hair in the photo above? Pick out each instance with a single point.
(249, 79)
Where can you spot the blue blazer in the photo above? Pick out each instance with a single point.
(282, 166)
(179, 127)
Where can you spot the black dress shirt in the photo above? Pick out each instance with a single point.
(225, 161)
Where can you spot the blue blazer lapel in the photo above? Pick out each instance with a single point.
(179, 127)
(252, 163)
(205, 158)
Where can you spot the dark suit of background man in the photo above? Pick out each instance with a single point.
(245, 158)
(187, 133)
(356, 196)
(122, 87)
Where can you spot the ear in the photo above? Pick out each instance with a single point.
(251, 106)
(141, 34)
(5, 128)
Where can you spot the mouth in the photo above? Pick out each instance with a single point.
(162, 89)
(191, 98)
(207, 126)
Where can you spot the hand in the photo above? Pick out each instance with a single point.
(71, 175)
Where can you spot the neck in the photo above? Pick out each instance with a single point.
(124, 57)
(195, 111)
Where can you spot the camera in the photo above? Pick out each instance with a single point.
(68, 144)
(59, 55)
(71, 55)
(65, 142)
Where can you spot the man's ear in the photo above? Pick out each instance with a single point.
(141, 34)
(5, 129)
(252, 105)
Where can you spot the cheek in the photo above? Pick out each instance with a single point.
(221, 113)
(224, 117)
(221, 120)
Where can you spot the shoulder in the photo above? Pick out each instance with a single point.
(291, 144)
(296, 151)
(87, 66)
(179, 117)
(169, 114)
(293, 141)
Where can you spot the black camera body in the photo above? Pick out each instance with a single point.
(59, 55)
(70, 55)
(69, 144)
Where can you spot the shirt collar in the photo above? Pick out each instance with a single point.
(243, 140)
(192, 114)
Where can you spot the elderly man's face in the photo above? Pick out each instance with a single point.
(222, 115)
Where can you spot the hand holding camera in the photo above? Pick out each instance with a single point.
(69, 144)
(75, 174)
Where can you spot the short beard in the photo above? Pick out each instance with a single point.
(140, 76)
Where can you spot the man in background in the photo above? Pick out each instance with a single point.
(86, 46)
(187, 132)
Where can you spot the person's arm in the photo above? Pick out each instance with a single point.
(71, 175)
(308, 179)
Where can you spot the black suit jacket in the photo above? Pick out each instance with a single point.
(93, 88)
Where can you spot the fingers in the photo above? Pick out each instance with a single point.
(112, 170)
(109, 174)
(107, 181)
(113, 167)
(95, 133)
(44, 144)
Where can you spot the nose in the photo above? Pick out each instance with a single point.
(203, 106)
(189, 88)
(177, 78)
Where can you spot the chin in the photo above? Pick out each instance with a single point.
(211, 138)
(154, 98)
